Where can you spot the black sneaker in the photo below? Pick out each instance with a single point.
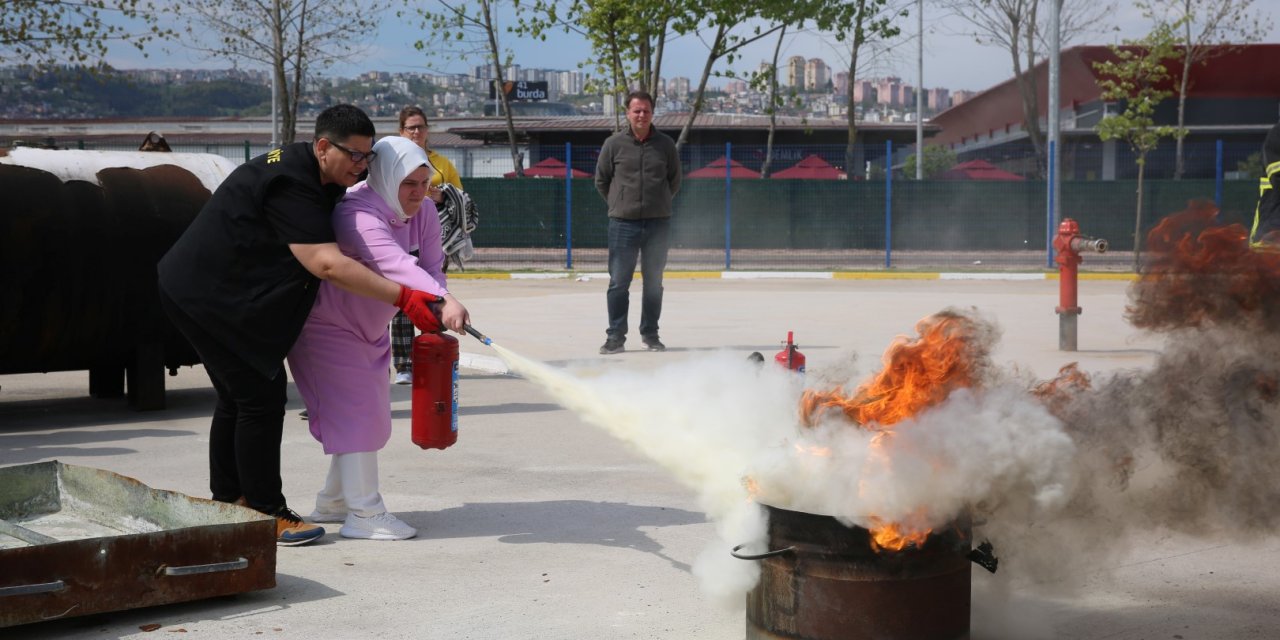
(652, 343)
(613, 345)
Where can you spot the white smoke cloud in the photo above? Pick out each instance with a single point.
(715, 421)
(704, 420)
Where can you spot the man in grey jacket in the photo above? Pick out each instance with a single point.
(638, 174)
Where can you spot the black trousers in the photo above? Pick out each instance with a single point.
(248, 420)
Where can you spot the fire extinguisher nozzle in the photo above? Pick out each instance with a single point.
(479, 336)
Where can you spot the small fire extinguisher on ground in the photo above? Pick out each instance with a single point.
(790, 357)
(435, 391)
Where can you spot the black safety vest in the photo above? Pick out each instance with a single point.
(1266, 217)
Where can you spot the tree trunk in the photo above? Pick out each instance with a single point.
(517, 161)
(645, 65)
(277, 70)
(716, 51)
(618, 84)
(1187, 53)
(1031, 95)
(773, 105)
(657, 59)
(299, 74)
(1137, 218)
(859, 35)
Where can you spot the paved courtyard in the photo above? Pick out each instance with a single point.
(537, 524)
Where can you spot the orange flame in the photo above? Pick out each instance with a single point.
(894, 536)
(1057, 392)
(918, 373)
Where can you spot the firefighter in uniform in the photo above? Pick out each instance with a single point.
(1266, 218)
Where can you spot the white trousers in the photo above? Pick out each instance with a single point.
(352, 485)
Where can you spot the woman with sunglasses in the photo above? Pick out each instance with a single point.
(340, 360)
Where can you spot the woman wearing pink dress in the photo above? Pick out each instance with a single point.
(341, 359)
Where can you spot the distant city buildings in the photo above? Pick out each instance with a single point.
(794, 77)
(816, 75)
(809, 86)
(677, 87)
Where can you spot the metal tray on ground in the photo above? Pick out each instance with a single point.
(78, 540)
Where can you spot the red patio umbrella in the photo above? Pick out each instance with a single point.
(811, 167)
(548, 168)
(716, 170)
(978, 170)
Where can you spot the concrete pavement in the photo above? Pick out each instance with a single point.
(538, 525)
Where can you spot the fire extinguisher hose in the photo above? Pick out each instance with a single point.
(479, 336)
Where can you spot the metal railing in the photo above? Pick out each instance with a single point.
(873, 217)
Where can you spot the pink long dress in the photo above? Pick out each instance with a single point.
(341, 359)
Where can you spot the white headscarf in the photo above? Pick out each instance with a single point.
(396, 158)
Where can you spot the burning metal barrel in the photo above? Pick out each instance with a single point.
(824, 580)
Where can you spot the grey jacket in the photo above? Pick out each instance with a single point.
(638, 179)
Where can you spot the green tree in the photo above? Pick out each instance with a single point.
(1018, 27)
(288, 37)
(1208, 27)
(859, 24)
(729, 19)
(767, 78)
(627, 39)
(463, 30)
(937, 159)
(1135, 78)
(51, 32)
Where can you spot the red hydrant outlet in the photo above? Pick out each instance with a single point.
(1068, 245)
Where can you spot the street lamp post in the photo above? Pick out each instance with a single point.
(1054, 151)
(920, 90)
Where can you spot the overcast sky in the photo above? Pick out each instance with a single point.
(951, 58)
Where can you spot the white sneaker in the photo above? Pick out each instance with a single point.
(404, 377)
(319, 516)
(382, 526)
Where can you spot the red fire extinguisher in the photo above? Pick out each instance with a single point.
(435, 391)
(790, 357)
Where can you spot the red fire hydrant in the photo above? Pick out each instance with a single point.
(1068, 244)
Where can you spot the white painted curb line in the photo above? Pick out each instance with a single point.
(486, 364)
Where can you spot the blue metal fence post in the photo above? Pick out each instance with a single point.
(1048, 216)
(568, 205)
(1217, 175)
(728, 203)
(888, 203)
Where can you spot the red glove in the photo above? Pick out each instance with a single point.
(417, 305)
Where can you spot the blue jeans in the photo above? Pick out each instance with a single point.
(647, 240)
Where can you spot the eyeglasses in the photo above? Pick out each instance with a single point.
(415, 128)
(356, 156)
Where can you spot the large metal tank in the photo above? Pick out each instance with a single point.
(823, 580)
(80, 235)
